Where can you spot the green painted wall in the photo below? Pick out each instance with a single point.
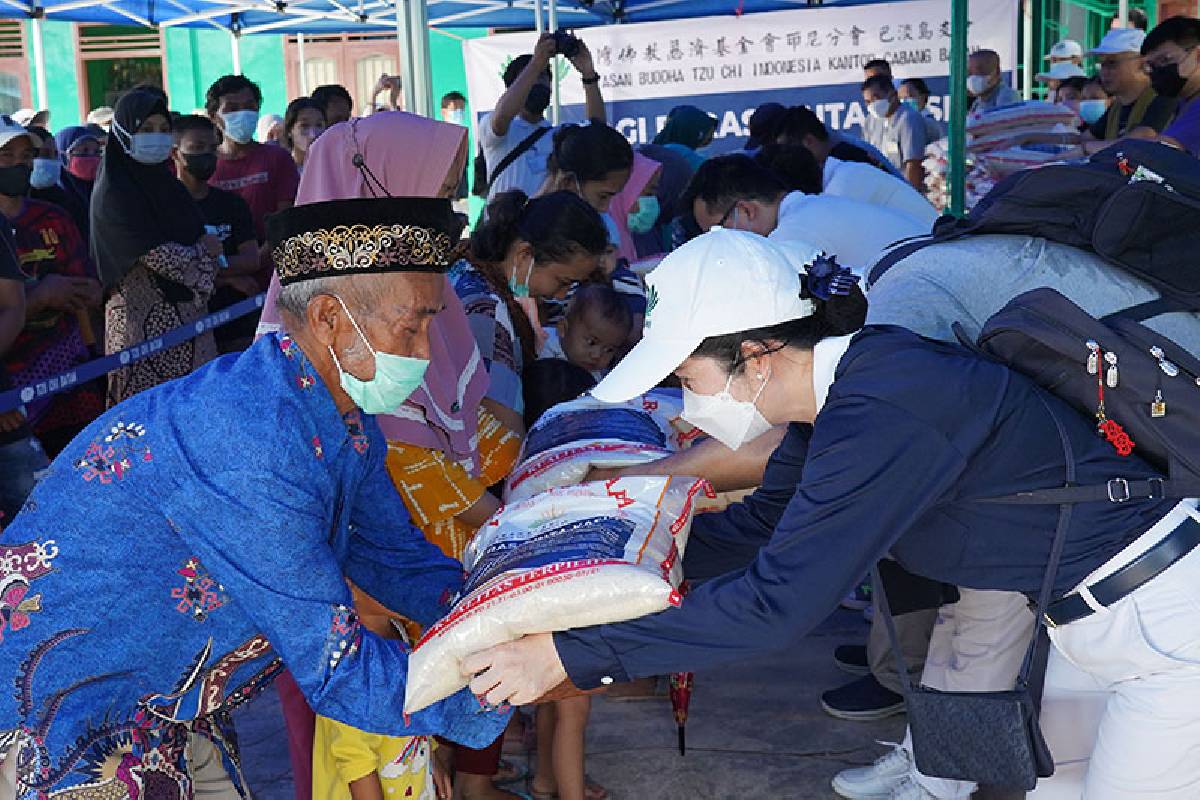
(196, 58)
(450, 75)
(58, 44)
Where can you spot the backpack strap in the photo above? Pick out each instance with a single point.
(518, 151)
(1149, 310)
(901, 251)
(1117, 490)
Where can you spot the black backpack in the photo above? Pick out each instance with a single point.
(1135, 204)
(1142, 389)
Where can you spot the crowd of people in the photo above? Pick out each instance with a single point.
(310, 536)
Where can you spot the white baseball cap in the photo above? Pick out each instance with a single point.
(103, 115)
(1067, 48)
(722, 282)
(27, 116)
(1119, 40)
(10, 129)
(1061, 71)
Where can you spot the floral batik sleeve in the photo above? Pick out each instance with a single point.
(259, 524)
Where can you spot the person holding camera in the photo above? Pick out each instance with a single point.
(514, 137)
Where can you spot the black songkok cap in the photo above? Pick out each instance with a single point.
(362, 236)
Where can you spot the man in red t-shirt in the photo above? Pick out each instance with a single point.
(263, 175)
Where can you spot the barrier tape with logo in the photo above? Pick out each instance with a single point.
(64, 381)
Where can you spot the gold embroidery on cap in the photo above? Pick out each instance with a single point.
(350, 248)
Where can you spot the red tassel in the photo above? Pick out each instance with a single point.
(1117, 437)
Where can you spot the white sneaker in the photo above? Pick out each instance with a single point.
(876, 782)
(908, 789)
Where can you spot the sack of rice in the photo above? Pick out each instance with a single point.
(572, 557)
(573, 438)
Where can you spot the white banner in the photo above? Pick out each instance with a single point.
(811, 56)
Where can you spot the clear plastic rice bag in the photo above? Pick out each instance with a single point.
(568, 558)
(571, 439)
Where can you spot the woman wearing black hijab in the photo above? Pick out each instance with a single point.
(149, 244)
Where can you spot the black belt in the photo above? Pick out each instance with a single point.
(1137, 573)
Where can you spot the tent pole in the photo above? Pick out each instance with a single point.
(404, 43)
(303, 65)
(958, 106)
(556, 109)
(418, 30)
(539, 23)
(39, 63)
(236, 49)
(1030, 53)
(1123, 14)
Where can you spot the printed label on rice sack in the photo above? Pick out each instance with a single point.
(572, 557)
(620, 424)
(591, 538)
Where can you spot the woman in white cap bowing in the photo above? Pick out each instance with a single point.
(910, 439)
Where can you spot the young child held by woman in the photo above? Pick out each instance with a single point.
(594, 331)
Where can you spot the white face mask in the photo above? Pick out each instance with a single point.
(730, 421)
(879, 108)
(978, 84)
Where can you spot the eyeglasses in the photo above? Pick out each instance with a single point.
(725, 216)
(1150, 66)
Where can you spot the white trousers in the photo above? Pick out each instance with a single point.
(1121, 709)
(977, 645)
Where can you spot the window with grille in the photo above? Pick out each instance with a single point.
(14, 70)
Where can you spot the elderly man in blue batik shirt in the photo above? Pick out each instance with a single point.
(200, 535)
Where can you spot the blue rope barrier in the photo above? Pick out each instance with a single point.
(64, 381)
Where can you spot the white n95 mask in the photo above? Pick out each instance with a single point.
(730, 421)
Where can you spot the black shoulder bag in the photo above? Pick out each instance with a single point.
(518, 151)
(987, 737)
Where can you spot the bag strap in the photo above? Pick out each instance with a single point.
(1060, 538)
(518, 151)
(902, 251)
(1117, 490)
(1150, 309)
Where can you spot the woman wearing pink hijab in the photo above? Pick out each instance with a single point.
(444, 449)
(643, 180)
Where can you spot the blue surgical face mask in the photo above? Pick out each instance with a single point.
(46, 172)
(520, 288)
(240, 125)
(643, 219)
(396, 377)
(911, 102)
(457, 116)
(1091, 110)
(150, 148)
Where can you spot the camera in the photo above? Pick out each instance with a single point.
(566, 44)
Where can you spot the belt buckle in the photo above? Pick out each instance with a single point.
(1121, 485)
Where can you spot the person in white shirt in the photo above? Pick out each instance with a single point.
(519, 114)
(985, 82)
(895, 128)
(734, 192)
(914, 92)
(866, 184)
(852, 180)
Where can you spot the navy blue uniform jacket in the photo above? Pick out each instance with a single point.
(914, 434)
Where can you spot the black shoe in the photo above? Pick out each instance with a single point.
(863, 700)
(852, 658)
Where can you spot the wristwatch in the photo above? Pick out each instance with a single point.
(592, 80)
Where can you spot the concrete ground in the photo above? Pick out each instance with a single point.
(756, 730)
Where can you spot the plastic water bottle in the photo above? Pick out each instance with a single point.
(215, 231)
